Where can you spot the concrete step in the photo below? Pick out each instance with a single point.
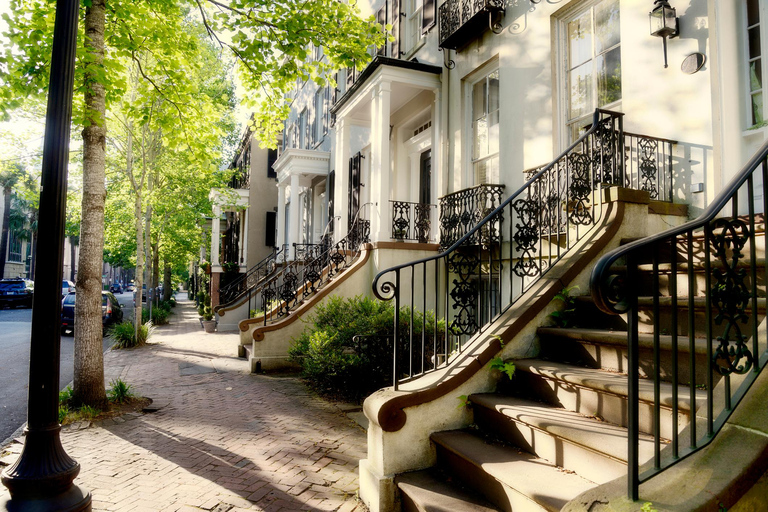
(599, 393)
(596, 348)
(594, 449)
(509, 478)
(433, 491)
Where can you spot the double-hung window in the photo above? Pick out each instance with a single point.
(414, 23)
(593, 63)
(754, 63)
(303, 129)
(317, 128)
(485, 129)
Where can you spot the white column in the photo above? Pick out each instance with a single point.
(295, 217)
(341, 188)
(215, 236)
(381, 166)
(437, 165)
(281, 217)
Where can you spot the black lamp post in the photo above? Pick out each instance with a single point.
(664, 23)
(42, 478)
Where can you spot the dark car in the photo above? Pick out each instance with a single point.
(16, 292)
(115, 288)
(111, 312)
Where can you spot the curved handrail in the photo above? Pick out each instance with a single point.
(604, 290)
(385, 291)
(232, 291)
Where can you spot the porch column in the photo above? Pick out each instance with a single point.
(293, 232)
(341, 188)
(380, 162)
(437, 166)
(281, 218)
(215, 236)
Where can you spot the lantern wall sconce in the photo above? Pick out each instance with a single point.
(664, 23)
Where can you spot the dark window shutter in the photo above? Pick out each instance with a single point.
(271, 229)
(381, 18)
(331, 195)
(394, 20)
(428, 15)
(271, 159)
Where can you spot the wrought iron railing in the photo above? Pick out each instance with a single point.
(470, 284)
(462, 210)
(247, 281)
(412, 221)
(303, 277)
(463, 20)
(713, 261)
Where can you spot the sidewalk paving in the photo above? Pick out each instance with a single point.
(223, 440)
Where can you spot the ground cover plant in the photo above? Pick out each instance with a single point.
(346, 350)
(123, 334)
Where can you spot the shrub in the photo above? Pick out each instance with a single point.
(123, 334)
(119, 392)
(201, 310)
(159, 315)
(337, 363)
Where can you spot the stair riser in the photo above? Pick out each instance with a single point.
(614, 358)
(590, 402)
(587, 463)
(501, 495)
(407, 504)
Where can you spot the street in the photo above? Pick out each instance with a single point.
(15, 327)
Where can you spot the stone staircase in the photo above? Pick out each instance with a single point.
(559, 427)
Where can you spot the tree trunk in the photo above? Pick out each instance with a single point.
(89, 357)
(138, 275)
(155, 265)
(6, 222)
(166, 281)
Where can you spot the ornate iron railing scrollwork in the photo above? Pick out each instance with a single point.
(713, 258)
(249, 280)
(312, 267)
(494, 250)
(411, 221)
(460, 21)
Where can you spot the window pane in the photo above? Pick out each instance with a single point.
(606, 25)
(478, 100)
(757, 108)
(493, 91)
(580, 40)
(755, 75)
(609, 77)
(481, 138)
(753, 15)
(754, 42)
(493, 132)
(580, 81)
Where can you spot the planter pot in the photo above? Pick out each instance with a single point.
(209, 325)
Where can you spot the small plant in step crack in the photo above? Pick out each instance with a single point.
(566, 316)
(464, 402)
(505, 367)
(648, 507)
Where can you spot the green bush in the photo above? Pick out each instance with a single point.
(335, 363)
(123, 334)
(119, 392)
(159, 315)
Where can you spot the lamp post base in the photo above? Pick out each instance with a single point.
(73, 499)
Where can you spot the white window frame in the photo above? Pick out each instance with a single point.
(302, 127)
(478, 75)
(562, 65)
(414, 36)
(319, 113)
(763, 19)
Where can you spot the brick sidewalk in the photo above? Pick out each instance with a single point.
(223, 440)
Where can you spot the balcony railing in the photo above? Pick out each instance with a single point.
(461, 21)
(462, 210)
(412, 221)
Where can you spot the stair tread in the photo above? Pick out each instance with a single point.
(645, 340)
(599, 436)
(609, 382)
(682, 301)
(430, 493)
(516, 469)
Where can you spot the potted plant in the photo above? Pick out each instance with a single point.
(399, 234)
(209, 324)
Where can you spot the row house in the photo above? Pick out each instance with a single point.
(496, 159)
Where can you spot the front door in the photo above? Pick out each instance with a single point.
(355, 164)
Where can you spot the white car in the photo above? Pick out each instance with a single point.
(66, 287)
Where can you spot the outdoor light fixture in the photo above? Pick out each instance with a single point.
(664, 23)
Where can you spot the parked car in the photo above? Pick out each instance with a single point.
(66, 287)
(16, 292)
(115, 288)
(130, 287)
(111, 311)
